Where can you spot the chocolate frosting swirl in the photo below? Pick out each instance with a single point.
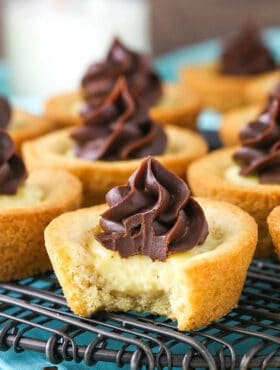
(5, 112)
(246, 54)
(119, 129)
(153, 215)
(260, 151)
(120, 61)
(12, 169)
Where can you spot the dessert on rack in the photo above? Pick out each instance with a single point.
(153, 248)
(169, 103)
(109, 145)
(28, 202)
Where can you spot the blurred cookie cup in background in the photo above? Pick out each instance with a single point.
(235, 120)
(169, 103)
(22, 125)
(109, 145)
(249, 175)
(223, 84)
(28, 202)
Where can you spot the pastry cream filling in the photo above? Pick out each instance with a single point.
(139, 274)
(27, 195)
(231, 174)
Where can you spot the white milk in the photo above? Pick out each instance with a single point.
(50, 43)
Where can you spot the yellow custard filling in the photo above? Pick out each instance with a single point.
(231, 174)
(139, 274)
(27, 195)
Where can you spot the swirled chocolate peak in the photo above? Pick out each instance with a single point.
(260, 150)
(5, 112)
(142, 80)
(246, 54)
(12, 169)
(119, 129)
(153, 215)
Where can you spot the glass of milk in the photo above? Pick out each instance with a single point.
(48, 44)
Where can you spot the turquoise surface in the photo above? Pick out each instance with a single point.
(168, 67)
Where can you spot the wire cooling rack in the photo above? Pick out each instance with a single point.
(34, 316)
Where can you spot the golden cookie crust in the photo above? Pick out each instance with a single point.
(214, 279)
(215, 90)
(234, 120)
(178, 107)
(258, 90)
(206, 179)
(273, 221)
(31, 127)
(98, 177)
(22, 251)
(63, 109)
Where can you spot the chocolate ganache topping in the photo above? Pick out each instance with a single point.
(12, 169)
(246, 54)
(136, 68)
(260, 150)
(5, 112)
(118, 129)
(153, 215)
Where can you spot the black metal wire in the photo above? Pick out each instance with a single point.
(34, 316)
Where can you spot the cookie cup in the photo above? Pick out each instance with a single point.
(193, 287)
(26, 126)
(234, 120)
(177, 107)
(218, 91)
(258, 90)
(273, 221)
(56, 151)
(22, 251)
(206, 178)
